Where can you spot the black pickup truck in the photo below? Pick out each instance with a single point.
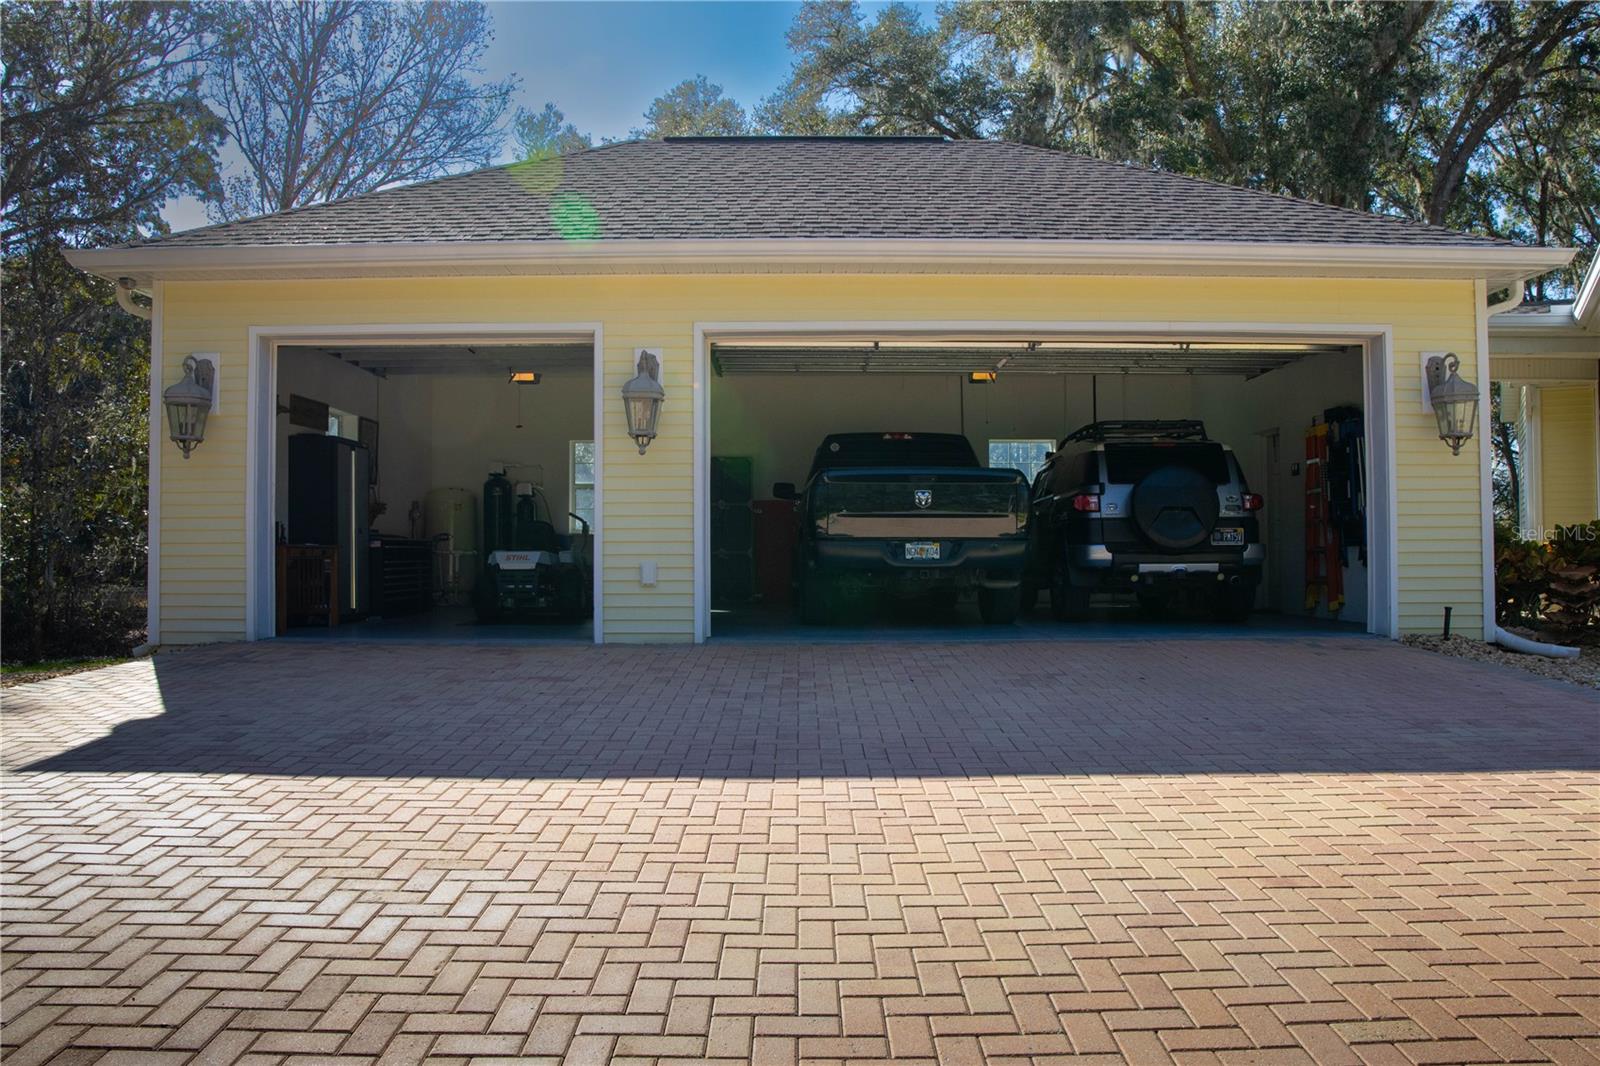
(907, 515)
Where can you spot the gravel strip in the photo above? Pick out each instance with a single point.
(1584, 670)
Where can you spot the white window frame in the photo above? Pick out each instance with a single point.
(573, 486)
(1049, 446)
(348, 424)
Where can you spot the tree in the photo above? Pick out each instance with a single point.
(690, 108)
(1479, 116)
(103, 123)
(892, 76)
(1492, 59)
(103, 118)
(326, 99)
(547, 132)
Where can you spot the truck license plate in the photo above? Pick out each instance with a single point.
(1227, 536)
(922, 549)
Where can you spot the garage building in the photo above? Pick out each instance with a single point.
(788, 288)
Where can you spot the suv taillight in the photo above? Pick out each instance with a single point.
(1084, 501)
(1253, 502)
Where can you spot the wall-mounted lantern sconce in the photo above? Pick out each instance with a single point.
(189, 402)
(642, 396)
(1454, 402)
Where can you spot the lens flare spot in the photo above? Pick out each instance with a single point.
(574, 217)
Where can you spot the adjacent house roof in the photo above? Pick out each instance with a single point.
(1577, 317)
(807, 192)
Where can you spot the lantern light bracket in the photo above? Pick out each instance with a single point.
(208, 366)
(1452, 400)
(1435, 363)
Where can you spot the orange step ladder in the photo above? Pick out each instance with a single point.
(1324, 569)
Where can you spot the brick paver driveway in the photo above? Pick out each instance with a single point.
(1237, 851)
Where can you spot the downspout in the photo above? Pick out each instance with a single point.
(125, 299)
(1499, 636)
(1519, 289)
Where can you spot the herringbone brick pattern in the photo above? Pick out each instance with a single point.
(1221, 852)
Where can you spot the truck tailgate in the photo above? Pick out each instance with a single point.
(920, 503)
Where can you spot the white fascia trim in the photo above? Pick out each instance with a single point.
(1500, 265)
(1480, 297)
(1558, 320)
(152, 565)
(1587, 302)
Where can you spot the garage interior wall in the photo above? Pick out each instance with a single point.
(777, 420)
(445, 431)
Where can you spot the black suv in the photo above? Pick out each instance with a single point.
(1156, 509)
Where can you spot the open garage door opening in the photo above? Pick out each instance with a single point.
(438, 491)
(1043, 486)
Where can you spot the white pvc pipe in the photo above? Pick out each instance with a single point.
(1532, 647)
(125, 300)
(1513, 300)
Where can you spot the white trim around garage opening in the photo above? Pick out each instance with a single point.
(152, 565)
(261, 468)
(1376, 342)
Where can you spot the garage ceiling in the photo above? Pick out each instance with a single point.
(1245, 360)
(476, 359)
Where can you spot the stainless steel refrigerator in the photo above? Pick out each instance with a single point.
(328, 491)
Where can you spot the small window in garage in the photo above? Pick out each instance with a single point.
(581, 498)
(343, 424)
(1024, 455)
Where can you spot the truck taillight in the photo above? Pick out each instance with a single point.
(1084, 501)
(1253, 502)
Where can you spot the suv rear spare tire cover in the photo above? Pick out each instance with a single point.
(1175, 507)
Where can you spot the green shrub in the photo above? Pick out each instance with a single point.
(1555, 584)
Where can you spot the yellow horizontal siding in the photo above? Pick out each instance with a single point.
(1567, 454)
(649, 499)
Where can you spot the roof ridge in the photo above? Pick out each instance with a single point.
(848, 138)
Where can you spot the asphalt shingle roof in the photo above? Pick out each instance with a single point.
(840, 188)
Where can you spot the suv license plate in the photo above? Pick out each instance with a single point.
(922, 549)
(1227, 536)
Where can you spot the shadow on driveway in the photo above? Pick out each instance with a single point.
(1335, 705)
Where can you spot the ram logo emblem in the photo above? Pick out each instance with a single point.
(923, 498)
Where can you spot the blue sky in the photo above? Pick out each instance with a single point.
(602, 63)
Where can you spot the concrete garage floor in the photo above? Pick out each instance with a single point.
(778, 625)
(445, 625)
(1201, 851)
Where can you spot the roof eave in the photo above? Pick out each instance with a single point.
(1586, 306)
(1498, 265)
(1555, 321)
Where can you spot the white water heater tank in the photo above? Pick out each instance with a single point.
(450, 520)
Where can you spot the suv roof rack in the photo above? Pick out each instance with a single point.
(1135, 429)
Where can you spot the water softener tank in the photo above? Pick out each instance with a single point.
(497, 513)
(526, 515)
